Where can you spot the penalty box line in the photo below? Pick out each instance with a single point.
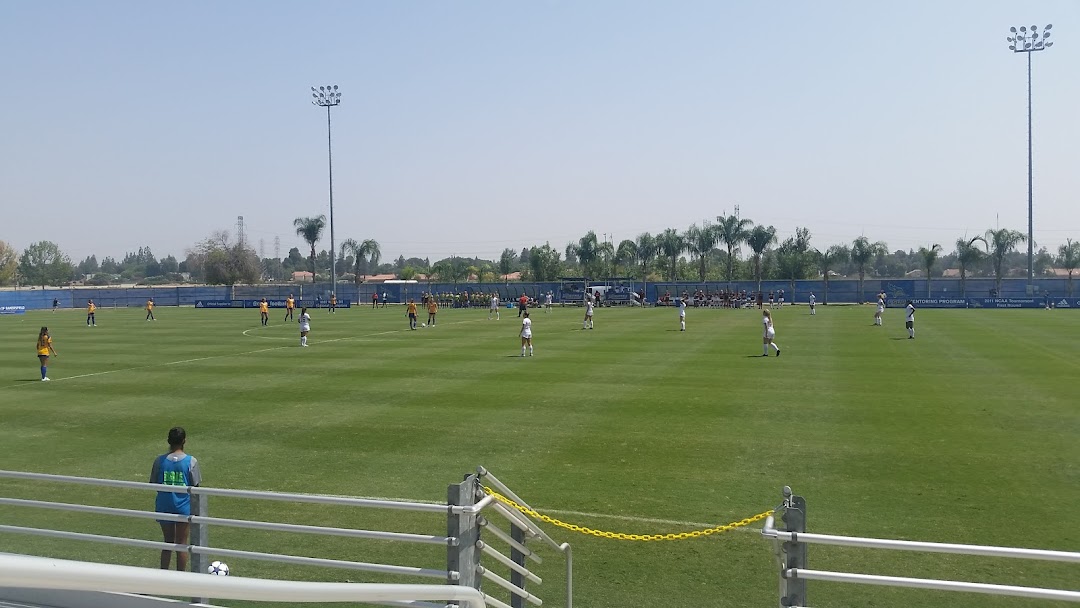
(212, 357)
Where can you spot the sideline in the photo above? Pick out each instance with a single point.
(212, 357)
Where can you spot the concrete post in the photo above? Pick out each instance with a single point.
(793, 591)
(463, 557)
(516, 533)
(199, 535)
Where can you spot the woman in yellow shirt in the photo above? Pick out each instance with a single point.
(411, 313)
(44, 349)
(264, 311)
(290, 305)
(432, 308)
(150, 310)
(91, 308)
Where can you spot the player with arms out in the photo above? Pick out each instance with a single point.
(179, 469)
(770, 334)
(305, 326)
(526, 334)
(910, 323)
(44, 349)
(494, 308)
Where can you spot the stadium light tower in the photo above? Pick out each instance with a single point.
(328, 96)
(1028, 41)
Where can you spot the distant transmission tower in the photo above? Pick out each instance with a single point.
(277, 247)
(262, 249)
(240, 237)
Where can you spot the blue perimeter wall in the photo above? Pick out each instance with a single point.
(840, 291)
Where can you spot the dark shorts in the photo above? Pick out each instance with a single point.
(412, 315)
(909, 324)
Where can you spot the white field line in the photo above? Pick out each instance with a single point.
(632, 518)
(212, 357)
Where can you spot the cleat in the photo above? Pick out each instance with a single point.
(45, 379)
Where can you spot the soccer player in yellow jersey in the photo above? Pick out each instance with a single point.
(44, 349)
(333, 304)
(264, 311)
(150, 310)
(91, 308)
(290, 306)
(411, 313)
(432, 308)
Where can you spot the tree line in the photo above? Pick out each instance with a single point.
(732, 249)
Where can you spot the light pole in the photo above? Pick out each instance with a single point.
(328, 97)
(1028, 41)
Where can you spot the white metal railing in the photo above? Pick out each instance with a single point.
(530, 529)
(790, 549)
(480, 507)
(47, 573)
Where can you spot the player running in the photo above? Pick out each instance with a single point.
(56, 304)
(44, 349)
(305, 326)
(526, 334)
(770, 334)
(588, 322)
(682, 315)
(494, 308)
(910, 323)
(91, 308)
(290, 306)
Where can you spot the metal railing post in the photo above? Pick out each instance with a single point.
(463, 556)
(793, 552)
(516, 533)
(199, 535)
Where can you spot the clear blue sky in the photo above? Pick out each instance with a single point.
(467, 127)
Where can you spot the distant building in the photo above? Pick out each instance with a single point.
(303, 276)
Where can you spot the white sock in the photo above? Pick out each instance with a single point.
(776, 347)
(522, 351)
(530, 351)
(497, 316)
(911, 332)
(682, 325)
(765, 349)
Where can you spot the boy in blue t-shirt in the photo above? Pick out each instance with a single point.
(180, 469)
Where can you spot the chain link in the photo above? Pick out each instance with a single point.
(621, 535)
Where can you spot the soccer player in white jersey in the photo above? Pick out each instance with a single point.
(526, 334)
(910, 323)
(781, 298)
(588, 322)
(494, 306)
(769, 335)
(305, 326)
(813, 303)
(547, 301)
(880, 309)
(682, 315)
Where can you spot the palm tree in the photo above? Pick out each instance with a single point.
(967, 255)
(646, 252)
(1069, 259)
(407, 273)
(759, 239)
(367, 251)
(586, 250)
(700, 242)
(624, 255)
(929, 258)
(862, 251)
(1001, 243)
(670, 244)
(310, 229)
(827, 260)
(732, 232)
(606, 258)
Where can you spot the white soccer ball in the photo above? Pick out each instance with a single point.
(218, 569)
(423, 325)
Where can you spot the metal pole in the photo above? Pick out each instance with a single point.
(330, 162)
(516, 533)
(794, 553)
(200, 536)
(1031, 239)
(463, 557)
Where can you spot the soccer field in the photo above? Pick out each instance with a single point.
(969, 433)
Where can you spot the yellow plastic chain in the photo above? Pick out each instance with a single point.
(621, 535)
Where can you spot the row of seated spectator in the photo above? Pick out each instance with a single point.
(714, 299)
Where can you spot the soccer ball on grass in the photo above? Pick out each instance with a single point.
(218, 569)
(423, 325)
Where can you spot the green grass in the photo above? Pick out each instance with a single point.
(967, 434)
